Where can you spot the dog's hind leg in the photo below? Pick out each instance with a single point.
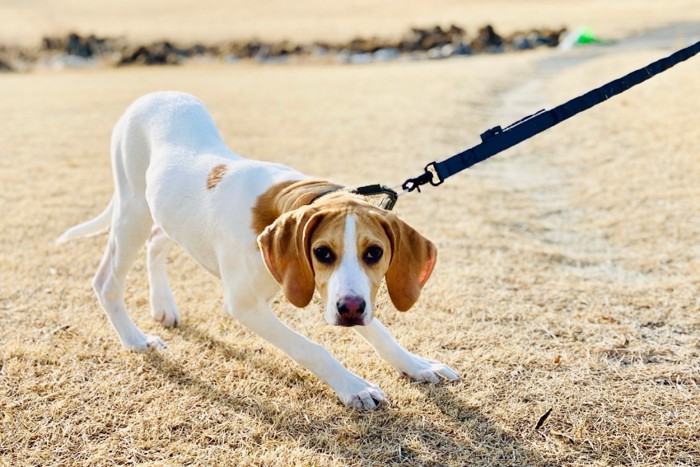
(130, 226)
(163, 307)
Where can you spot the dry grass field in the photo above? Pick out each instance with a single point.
(568, 279)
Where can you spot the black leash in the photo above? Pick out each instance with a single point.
(498, 139)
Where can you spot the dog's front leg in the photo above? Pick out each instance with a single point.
(353, 391)
(406, 363)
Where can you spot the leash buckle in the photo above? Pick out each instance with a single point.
(389, 196)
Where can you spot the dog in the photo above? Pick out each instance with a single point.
(258, 226)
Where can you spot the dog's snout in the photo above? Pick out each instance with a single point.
(351, 306)
(351, 311)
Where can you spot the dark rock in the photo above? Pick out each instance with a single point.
(282, 49)
(254, 49)
(79, 46)
(551, 37)
(434, 42)
(5, 66)
(522, 41)
(158, 53)
(425, 39)
(198, 50)
(365, 45)
(462, 49)
(487, 40)
(535, 38)
(76, 45)
(51, 43)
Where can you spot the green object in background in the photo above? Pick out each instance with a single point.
(586, 36)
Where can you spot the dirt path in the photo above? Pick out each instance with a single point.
(547, 185)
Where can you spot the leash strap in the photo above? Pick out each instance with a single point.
(498, 139)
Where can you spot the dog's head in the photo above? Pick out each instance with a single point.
(344, 250)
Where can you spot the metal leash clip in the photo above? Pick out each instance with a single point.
(431, 175)
(389, 196)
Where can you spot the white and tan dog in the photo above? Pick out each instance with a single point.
(256, 225)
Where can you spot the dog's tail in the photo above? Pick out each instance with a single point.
(98, 225)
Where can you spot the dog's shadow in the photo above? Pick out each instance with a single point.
(468, 439)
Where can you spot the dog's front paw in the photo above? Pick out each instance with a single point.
(423, 369)
(358, 394)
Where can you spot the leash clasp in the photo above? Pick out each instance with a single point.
(431, 175)
(390, 196)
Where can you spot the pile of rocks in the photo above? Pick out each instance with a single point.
(79, 46)
(418, 43)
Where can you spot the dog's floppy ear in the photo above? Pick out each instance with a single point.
(285, 248)
(413, 258)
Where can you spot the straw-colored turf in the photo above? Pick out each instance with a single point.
(569, 274)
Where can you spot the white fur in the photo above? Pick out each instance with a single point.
(163, 149)
(349, 279)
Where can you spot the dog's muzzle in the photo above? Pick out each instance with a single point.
(351, 311)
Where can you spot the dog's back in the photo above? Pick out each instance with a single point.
(165, 150)
(151, 124)
(171, 118)
(162, 125)
(172, 168)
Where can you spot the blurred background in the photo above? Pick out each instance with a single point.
(27, 21)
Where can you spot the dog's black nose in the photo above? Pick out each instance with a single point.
(351, 311)
(351, 306)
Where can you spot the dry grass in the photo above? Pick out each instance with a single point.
(569, 274)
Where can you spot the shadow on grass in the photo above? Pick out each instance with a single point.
(492, 445)
(461, 436)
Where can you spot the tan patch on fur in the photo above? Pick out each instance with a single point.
(216, 175)
(412, 261)
(331, 234)
(265, 210)
(284, 197)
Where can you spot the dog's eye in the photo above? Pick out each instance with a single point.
(324, 255)
(372, 254)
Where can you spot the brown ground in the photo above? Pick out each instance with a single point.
(569, 275)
